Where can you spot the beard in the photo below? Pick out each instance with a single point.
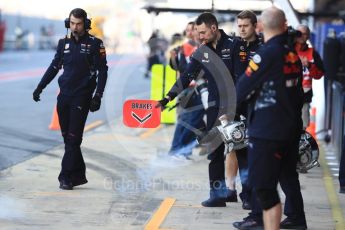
(76, 33)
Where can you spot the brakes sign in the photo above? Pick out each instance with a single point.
(141, 114)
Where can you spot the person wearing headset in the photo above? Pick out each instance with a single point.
(83, 59)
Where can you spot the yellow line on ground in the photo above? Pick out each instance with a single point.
(337, 212)
(93, 125)
(159, 216)
(187, 206)
(149, 132)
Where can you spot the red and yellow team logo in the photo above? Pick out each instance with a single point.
(252, 66)
(248, 72)
(291, 57)
(141, 114)
(243, 56)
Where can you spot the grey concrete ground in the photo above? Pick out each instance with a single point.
(24, 123)
(129, 177)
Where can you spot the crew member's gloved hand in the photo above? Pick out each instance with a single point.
(36, 94)
(162, 103)
(95, 103)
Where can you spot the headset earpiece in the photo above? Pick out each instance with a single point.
(87, 23)
(67, 23)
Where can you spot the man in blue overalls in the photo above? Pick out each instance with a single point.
(83, 59)
(214, 58)
(244, 49)
(273, 80)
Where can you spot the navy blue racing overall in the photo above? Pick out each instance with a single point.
(243, 51)
(216, 63)
(274, 81)
(85, 69)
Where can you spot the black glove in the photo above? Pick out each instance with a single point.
(95, 103)
(36, 94)
(162, 103)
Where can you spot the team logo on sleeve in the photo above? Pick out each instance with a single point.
(256, 58)
(248, 71)
(102, 50)
(253, 65)
(66, 49)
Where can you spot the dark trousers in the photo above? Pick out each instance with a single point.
(72, 113)
(216, 169)
(248, 190)
(342, 165)
(256, 210)
(271, 162)
(289, 182)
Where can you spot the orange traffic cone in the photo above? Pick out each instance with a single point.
(312, 127)
(54, 124)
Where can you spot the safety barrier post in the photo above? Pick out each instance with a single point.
(162, 79)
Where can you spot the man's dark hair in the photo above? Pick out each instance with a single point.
(248, 14)
(208, 18)
(78, 13)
